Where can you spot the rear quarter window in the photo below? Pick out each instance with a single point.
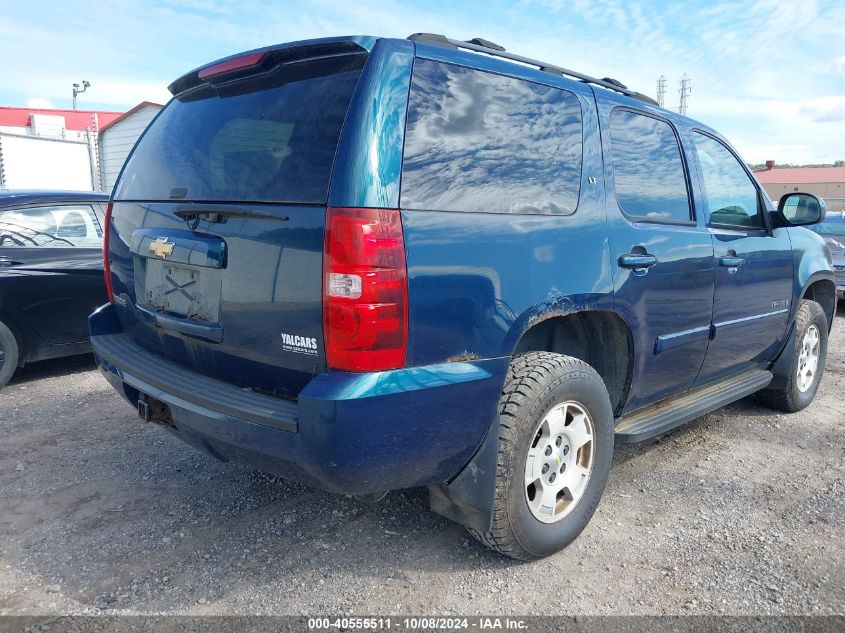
(481, 142)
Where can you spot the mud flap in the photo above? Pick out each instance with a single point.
(468, 499)
(782, 367)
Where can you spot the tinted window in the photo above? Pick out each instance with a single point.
(481, 142)
(266, 139)
(731, 194)
(647, 169)
(55, 226)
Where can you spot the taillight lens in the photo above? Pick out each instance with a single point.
(231, 65)
(106, 269)
(365, 292)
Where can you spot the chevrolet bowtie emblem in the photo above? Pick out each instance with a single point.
(161, 247)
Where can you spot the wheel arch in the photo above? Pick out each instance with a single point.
(821, 288)
(605, 341)
(600, 338)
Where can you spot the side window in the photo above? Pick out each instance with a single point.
(731, 194)
(64, 226)
(648, 172)
(481, 142)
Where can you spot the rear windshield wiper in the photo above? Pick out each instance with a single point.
(192, 215)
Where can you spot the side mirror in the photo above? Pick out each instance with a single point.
(801, 209)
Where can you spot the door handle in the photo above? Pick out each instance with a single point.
(732, 262)
(211, 332)
(8, 261)
(639, 263)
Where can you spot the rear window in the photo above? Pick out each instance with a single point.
(271, 138)
(59, 226)
(481, 142)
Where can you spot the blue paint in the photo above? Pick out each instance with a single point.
(670, 341)
(261, 296)
(370, 147)
(358, 433)
(188, 247)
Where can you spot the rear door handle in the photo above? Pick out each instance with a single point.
(731, 261)
(637, 262)
(212, 332)
(8, 261)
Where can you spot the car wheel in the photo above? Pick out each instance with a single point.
(8, 354)
(555, 452)
(808, 361)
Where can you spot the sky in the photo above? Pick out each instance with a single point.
(769, 75)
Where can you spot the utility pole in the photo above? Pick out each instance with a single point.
(661, 91)
(77, 91)
(685, 89)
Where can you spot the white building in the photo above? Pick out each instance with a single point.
(50, 148)
(117, 137)
(68, 149)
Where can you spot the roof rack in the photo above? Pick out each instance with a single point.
(481, 45)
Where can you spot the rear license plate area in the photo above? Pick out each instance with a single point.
(179, 289)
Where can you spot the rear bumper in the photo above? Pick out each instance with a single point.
(348, 433)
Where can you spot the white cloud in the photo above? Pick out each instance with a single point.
(788, 131)
(825, 109)
(766, 73)
(105, 92)
(40, 102)
(211, 6)
(122, 92)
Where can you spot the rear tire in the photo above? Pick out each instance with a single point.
(549, 477)
(808, 361)
(8, 354)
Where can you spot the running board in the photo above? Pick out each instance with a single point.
(667, 414)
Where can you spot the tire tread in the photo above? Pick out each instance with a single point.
(528, 377)
(12, 349)
(787, 398)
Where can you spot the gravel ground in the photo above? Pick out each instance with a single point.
(739, 512)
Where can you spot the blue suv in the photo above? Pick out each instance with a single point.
(370, 264)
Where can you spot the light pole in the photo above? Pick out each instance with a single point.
(77, 91)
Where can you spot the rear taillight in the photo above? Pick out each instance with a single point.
(365, 291)
(106, 269)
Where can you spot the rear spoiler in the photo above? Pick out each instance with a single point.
(266, 59)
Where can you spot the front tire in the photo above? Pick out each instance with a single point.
(808, 360)
(555, 452)
(9, 352)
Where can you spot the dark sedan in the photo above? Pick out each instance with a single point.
(51, 274)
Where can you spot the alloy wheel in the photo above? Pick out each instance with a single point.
(808, 358)
(559, 462)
